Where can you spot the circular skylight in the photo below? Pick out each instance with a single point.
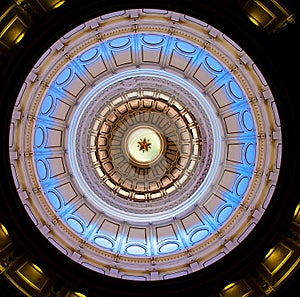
(143, 136)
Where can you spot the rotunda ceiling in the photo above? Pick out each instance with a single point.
(149, 143)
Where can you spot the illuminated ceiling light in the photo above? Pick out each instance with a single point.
(19, 38)
(269, 253)
(4, 229)
(296, 213)
(254, 21)
(12, 27)
(296, 217)
(270, 16)
(51, 4)
(58, 4)
(37, 268)
(32, 275)
(277, 257)
(76, 294)
(237, 289)
(229, 286)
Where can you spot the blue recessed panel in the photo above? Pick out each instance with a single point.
(89, 55)
(54, 200)
(75, 224)
(39, 136)
(42, 169)
(242, 186)
(136, 250)
(235, 89)
(247, 120)
(250, 153)
(169, 247)
(120, 42)
(224, 214)
(213, 64)
(199, 235)
(153, 39)
(185, 47)
(64, 76)
(47, 104)
(103, 242)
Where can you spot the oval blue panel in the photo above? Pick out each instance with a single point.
(64, 76)
(185, 47)
(47, 104)
(39, 136)
(247, 120)
(168, 247)
(242, 186)
(120, 42)
(199, 235)
(213, 64)
(41, 169)
(89, 55)
(135, 250)
(54, 200)
(235, 89)
(153, 39)
(250, 153)
(75, 225)
(224, 214)
(103, 242)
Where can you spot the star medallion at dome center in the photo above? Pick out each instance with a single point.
(144, 145)
(140, 149)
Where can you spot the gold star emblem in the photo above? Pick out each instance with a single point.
(144, 144)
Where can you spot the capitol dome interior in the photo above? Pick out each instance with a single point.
(149, 148)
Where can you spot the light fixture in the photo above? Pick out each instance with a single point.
(269, 15)
(4, 230)
(13, 26)
(50, 4)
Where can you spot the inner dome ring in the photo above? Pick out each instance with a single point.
(156, 210)
(178, 153)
